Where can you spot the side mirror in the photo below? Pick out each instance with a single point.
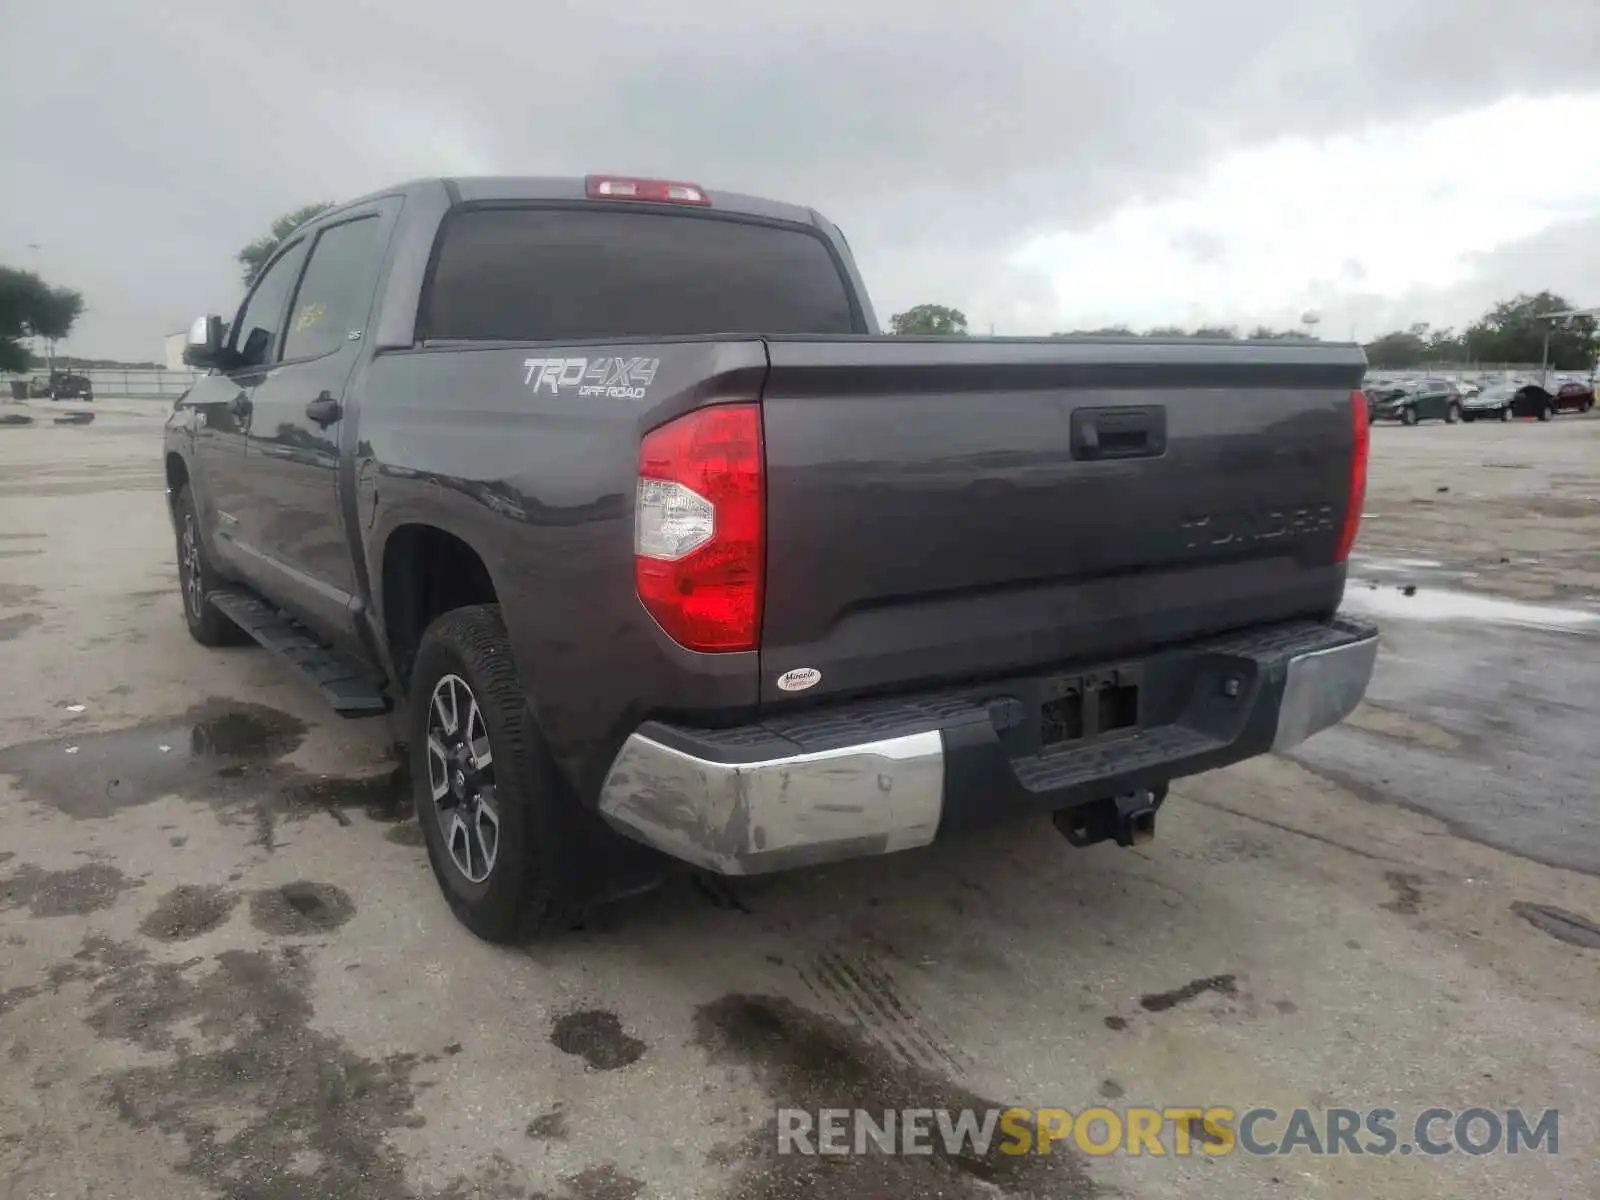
(204, 347)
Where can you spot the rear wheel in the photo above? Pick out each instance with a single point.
(1505, 413)
(1408, 416)
(1453, 413)
(1546, 411)
(197, 579)
(488, 796)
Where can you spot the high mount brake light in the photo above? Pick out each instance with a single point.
(700, 528)
(657, 191)
(1362, 430)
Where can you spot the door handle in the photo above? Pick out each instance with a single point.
(324, 410)
(1101, 433)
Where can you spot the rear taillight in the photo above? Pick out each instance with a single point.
(700, 527)
(1362, 431)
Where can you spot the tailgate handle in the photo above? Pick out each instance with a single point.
(1099, 433)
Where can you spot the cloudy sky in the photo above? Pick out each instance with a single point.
(1041, 164)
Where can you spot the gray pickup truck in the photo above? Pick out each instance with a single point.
(611, 489)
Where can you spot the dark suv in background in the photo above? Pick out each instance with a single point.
(1414, 401)
(62, 385)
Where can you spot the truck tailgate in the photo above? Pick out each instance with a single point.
(950, 508)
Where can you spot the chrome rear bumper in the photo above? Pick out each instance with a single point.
(751, 817)
(1323, 688)
(771, 812)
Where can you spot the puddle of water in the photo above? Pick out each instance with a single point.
(1396, 564)
(1436, 604)
(221, 752)
(106, 772)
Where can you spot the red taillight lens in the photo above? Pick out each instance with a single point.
(1358, 474)
(700, 528)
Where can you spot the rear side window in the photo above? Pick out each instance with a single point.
(565, 275)
(336, 290)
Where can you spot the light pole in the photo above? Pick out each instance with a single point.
(1565, 318)
(33, 341)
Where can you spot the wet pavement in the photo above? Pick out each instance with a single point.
(1507, 694)
(228, 971)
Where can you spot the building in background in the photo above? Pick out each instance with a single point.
(175, 343)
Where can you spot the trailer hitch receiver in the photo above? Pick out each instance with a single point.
(1128, 819)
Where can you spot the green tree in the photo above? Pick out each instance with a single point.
(1445, 346)
(30, 307)
(1397, 350)
(930, 319)
(255, 256)
(1513, 332)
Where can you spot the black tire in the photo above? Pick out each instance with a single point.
(1505, 413)
(197, 579)
(1408, 416)
(1546, 411)
(518, 895)
(1452, 414)
(1469, 418)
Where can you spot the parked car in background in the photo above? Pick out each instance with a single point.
(1574, 396)
(1417, 400)
(62, 385)
(1493, 403)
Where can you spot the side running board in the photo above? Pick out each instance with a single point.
(352, 689)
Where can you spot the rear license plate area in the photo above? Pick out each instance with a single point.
(1083, 707)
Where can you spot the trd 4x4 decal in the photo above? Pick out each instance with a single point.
(614, 378)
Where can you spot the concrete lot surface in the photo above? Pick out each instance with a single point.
(226, 969)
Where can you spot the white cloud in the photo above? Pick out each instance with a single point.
(1345, 226)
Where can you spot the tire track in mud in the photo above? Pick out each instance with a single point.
(858, 986)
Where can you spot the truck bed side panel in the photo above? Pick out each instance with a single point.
(540, 482)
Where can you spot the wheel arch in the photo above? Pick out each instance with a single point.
(425, 570)
(178, 474)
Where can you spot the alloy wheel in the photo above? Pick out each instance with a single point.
(461, 778)
(193, 579)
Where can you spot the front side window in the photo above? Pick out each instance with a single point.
(336, 291)
(257, 333)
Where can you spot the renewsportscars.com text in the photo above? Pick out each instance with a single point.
(1175, 1130)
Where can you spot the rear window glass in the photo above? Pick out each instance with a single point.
(565, 275)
